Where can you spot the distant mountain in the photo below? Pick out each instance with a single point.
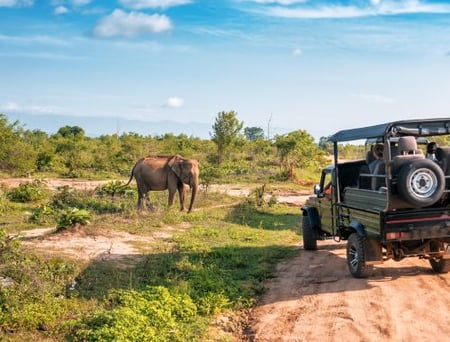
(96, 126)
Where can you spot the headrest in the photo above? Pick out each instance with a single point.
(406, 145)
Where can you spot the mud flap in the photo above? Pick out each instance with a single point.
(374, 253)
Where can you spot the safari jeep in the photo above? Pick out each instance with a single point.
(399, 209)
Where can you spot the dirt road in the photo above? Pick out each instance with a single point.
(314, 298)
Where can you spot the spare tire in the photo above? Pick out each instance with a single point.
(421, 182)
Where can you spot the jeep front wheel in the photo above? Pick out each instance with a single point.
(309, 235)
(356, 256)
(421, 183)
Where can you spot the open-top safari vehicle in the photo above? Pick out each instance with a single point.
(392, 208)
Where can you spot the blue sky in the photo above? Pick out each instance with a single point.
(320, 65)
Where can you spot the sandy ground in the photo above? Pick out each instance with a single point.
(313, 297)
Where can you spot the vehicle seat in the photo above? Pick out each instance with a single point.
(369, 156)
(407, 151)
(379, 169)
(443, 157)
(364, 182)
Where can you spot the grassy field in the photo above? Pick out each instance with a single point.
(193, 278)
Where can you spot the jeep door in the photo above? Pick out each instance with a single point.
(325, 200)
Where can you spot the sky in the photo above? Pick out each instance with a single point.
(281, 65)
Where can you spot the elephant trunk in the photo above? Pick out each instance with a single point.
(194, 188)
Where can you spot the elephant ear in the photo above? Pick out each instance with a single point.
(175, 164)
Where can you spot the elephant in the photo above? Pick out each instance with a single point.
(162, 172)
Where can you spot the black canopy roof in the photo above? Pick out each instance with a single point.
(417, 127)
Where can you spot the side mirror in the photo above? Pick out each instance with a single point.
(316, 189)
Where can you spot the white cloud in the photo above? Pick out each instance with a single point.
(45, 40)
(16, 3)
(297, 52)
(374, 98)
(81, 2)
(376, 7)
(123, 24)
(142, 4)
(70, 2)
(174, 102)
(280, 2)
(14, 107)
(42, 55)
(60, 10)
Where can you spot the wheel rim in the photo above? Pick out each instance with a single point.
(354, 257)
(423, 183)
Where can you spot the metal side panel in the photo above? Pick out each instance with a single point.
(365, 199)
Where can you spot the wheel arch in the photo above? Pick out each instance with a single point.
(357, 227)
(313, 215)
(373, 248)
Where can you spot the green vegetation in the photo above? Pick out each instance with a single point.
(232, 152)
(216, 265)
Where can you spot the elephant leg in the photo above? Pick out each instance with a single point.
(182, 194)
(148, 204)
(171, 196)
(140, 201)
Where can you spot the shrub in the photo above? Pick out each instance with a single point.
(154, 314)
(71, 217)
(33, 298)
(66, 197)
(42, 215)
(114, 188)
(27, 192)
(4, 202)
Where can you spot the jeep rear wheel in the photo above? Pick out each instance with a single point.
(421, 183)
(309, 234)
(440, 265)
(356, 256)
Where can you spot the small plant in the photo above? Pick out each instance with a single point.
(155, 314)
(71, 217)
(66, 197)
(42, 215)
(114, 188)
(273, 200)
(4, 203)
(27, 192)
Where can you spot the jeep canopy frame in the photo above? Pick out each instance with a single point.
(387, 131)
(428, 127)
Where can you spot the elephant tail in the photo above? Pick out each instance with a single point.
(131, 176)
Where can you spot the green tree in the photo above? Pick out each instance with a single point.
(297, 149)
(226, 132)
(253, 133)
(73, 151)
(326, 145)
(16, 156)
(71, 131)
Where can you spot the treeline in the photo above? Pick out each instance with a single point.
(233, 150)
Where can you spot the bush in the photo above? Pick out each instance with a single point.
(66, 197)
(114, 188)
(33, 297)
(71, 217)
(27, 192)
(42, 215)
(154, 314)
(4, 202)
